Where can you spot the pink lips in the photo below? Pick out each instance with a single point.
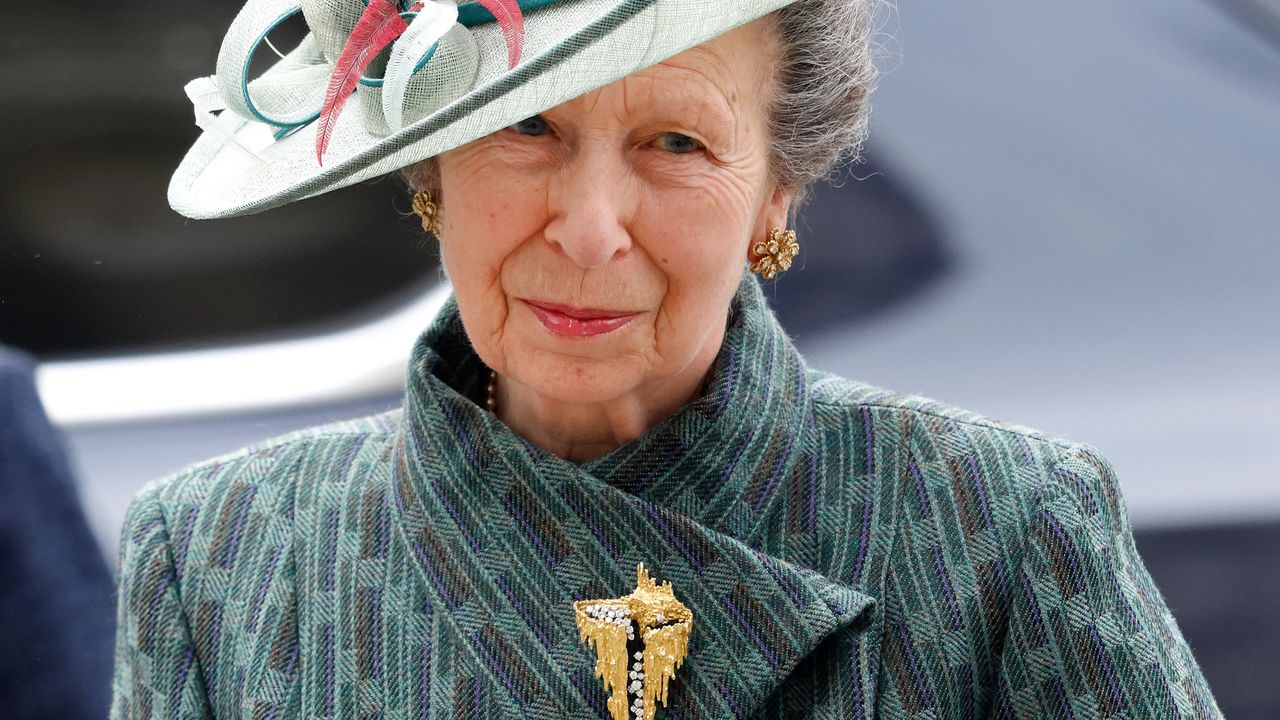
(567, 321)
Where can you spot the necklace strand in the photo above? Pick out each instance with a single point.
(491, 393)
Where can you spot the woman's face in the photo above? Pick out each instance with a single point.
(594, 249)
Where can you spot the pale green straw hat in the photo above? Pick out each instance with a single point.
(258, 150)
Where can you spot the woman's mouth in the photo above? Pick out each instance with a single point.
(568, 321)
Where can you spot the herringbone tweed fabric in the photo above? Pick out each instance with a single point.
(846, 552)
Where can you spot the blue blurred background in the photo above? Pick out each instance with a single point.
(1080, 201)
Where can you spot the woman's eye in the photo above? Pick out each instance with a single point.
(532, 126)
(674, 142)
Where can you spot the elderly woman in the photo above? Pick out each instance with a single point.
(614, 489)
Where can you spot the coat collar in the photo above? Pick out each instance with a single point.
(700, 461)
(505, 536)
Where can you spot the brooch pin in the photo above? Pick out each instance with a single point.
(640, 639)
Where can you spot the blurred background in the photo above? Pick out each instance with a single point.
(1080, 200)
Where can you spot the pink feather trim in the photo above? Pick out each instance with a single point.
(511, 20)
(379, 25)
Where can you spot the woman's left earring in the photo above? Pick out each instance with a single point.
(773, 255)
(428, 210)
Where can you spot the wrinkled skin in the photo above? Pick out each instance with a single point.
(642, 197)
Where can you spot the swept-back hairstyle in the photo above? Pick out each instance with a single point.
(825, 73)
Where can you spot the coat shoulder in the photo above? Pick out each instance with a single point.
(293, 459)
(932, 452)
(839, 394)
(217, 511)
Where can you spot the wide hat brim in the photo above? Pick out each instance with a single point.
(571, 48)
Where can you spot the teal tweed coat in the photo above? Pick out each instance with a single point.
(846, 552)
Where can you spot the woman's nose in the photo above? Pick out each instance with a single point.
(592, 203)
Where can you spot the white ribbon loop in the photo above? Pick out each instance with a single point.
(426, 30)
(212, 115)
(287, 94)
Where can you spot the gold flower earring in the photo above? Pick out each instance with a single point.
(428, 210)
(773, 254)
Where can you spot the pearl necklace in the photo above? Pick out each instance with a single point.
(491, 393)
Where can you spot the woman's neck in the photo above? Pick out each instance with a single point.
(578, 431)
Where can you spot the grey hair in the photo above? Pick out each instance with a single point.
(825, 73)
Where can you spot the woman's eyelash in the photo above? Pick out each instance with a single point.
(678, 143)
(536, 125)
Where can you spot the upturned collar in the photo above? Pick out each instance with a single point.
(700, 461)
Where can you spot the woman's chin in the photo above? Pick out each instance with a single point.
(577, 380)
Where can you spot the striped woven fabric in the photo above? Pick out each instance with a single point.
(846, 553)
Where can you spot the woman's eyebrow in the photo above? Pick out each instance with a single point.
(702, 108)
(690, 94)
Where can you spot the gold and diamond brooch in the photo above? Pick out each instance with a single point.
(640, 639)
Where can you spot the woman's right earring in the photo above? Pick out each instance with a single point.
(428, 210)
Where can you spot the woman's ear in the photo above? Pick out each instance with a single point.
(776, 212)
(424, 175)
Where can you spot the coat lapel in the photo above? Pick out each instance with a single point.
(506, 556)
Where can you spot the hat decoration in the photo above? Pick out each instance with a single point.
(287, 97)
(412, 50)
(381, 25)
